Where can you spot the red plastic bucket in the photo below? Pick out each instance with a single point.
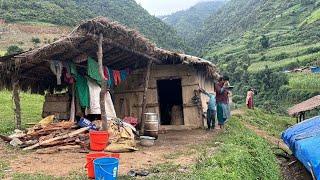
(91, 157)
(98, 140)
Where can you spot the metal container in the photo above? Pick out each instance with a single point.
(151, 127)
(147, 141)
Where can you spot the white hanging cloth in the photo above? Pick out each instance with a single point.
(94, 91)
(56, 68)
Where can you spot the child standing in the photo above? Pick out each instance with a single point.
(212, 109)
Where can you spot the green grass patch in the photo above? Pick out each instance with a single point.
(259, 66)
(315, 16)
(271, 123)
(2, 53)
(240, 155)
(31, 106)
(3, 166)
(305, 81)
(81, 175)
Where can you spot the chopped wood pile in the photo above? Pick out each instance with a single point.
(51, 138)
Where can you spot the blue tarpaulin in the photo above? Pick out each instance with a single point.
(315, 69)
(304, 141)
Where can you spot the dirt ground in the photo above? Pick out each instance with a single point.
(178, 147)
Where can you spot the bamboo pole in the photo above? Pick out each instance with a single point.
(16, 99)
(73, 107)
(144, 100)
(103, 84)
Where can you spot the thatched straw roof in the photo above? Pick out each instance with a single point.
(307, 105)
(123, 47)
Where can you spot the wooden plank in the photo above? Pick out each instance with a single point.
(144, 99)
(16, 99)
(69, 135)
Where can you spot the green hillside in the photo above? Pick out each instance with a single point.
(72, 12)
(188, 22)
(253, 41)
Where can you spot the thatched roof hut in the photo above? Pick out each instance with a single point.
(123, 47)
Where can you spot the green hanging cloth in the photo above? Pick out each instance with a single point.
(93, 70)
(73, 69)
(82, 91)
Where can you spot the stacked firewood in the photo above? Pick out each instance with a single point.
(51, 138)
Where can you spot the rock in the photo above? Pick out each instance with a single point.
(16, 142)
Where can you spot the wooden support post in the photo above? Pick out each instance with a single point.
(144, 100)
(16, 99)
(103, 85)
(73, 107)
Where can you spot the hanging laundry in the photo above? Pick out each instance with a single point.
(111, 79)
(95, 108)
(117, 77)
(56, 68)
(123, 74)
(93, 70)
(106, 73)
(67, 77)
(73, 69)
(82, 91)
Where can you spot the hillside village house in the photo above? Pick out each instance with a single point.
(172, 79)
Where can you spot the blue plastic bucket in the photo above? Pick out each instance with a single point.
(106, 168)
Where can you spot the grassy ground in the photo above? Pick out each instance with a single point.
(237, 153)
(21, 34)
(2, 53)
(72, 176)
(278, 65)
(31, 106)
(271, 123)
(305, 81)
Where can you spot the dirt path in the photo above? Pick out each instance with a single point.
(276, 141)
(178, 147)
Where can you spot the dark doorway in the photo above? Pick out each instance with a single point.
(170, 99)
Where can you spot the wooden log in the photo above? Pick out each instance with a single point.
(144, 100)
(5, 138)
(16, 99)
(103, 85)
(72, 134)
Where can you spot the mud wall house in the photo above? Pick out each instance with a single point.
(172, 83)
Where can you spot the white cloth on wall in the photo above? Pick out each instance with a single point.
(56, 68)
(94, 91)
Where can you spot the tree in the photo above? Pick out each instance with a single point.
(264, 40)
(13, 50)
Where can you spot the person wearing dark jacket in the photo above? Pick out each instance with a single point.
(222, 88)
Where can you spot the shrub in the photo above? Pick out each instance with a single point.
(14, 49)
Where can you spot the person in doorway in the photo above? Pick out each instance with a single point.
(249, 100)
(212, 109)
(222, 88)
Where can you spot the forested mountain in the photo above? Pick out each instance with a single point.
(72, 12)
(259, 16)
(253, 41)
(188, 22)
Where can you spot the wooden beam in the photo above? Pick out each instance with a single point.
(116, 59)
(16, 99)
(144, 100)
(103, 85)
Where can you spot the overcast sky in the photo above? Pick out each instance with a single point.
(164, 7)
